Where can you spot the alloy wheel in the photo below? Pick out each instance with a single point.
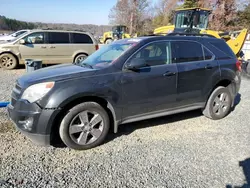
(86, 127)
(7, 61)
(221, 104)
(80, 59)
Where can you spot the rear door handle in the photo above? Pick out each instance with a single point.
(52, 47)
(208, 66)
(169, 73)
(43, 46)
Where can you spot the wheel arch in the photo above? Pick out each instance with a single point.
(109, 38)
(54, 129)
(10, 52)
(79, 53)
(225, 83)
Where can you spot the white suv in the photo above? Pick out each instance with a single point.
(13, 35)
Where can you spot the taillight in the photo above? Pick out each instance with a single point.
(96, 47)
(238, 65)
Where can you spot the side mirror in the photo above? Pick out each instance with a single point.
(22, 41)
(14, 35)
(136, 64)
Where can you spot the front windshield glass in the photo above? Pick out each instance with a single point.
(198, 20)
(203, 20)
(20, 33)
(18, 37)
(106, 55)
(183, 19)
(119, 29)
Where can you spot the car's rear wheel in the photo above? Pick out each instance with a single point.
(8, 61)
(80, 58)
(219, 103)
(85, 126)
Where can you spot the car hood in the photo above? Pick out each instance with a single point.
(4, 38)
(55, 73)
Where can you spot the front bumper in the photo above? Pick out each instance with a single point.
(33, 121)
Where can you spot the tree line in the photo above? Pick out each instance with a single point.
(13, 25)
(7, 24)
(143, 16)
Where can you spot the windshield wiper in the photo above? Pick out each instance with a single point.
(87, 65)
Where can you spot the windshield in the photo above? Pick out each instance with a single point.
(106, 55)
(17, 33)
(18, 37)
(119, 29)
(194, 19)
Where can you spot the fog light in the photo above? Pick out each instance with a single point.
(27, 124)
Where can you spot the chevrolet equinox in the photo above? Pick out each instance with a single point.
(127, 81)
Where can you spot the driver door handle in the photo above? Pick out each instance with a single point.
(43, 47)
(168, 73)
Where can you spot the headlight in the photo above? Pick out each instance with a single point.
(37, 91)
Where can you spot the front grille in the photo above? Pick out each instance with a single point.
(16, 93)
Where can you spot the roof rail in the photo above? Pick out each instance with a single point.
(158, 34)
(190, 34)
(79, 30)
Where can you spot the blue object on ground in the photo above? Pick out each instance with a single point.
(3, 104)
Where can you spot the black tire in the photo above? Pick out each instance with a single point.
(211, 106)
(70, 140)
(80, 58)
(108, 41)
(248, 68)
(8, 61)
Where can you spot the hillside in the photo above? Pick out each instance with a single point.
(7, 24)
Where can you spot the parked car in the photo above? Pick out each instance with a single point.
(13, 35)
(51, 46)
(127, 81)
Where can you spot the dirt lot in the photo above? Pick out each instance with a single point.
(175, 151)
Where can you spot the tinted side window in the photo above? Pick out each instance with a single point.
(207, 54)
(186, 51)
(223, 47)
(81, 38)
(155, 54)
(58, 38)
(34, 38)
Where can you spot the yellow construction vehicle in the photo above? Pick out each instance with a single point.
(195, 20)
(118, 32)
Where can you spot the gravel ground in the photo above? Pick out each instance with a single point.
(184, 150)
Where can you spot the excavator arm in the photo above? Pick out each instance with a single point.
(237, 40)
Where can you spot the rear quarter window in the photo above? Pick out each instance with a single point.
(79, 38)
(224, 50)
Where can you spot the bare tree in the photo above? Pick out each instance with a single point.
(120, 13)
(224, 14)
(130, 13)
(163, 10)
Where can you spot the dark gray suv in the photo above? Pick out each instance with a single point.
(127, 81)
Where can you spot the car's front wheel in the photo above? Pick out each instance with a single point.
(219, 103)
(8, 61)
(85, 126)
